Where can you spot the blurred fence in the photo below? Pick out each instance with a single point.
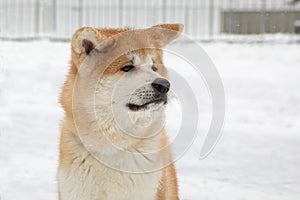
(203, 19)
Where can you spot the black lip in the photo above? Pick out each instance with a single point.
(135, 107)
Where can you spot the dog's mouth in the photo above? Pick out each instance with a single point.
(135, 107)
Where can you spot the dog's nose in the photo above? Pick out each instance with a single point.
(161, 85)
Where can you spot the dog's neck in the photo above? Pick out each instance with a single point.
(129, 152)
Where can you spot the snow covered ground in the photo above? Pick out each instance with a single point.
(256, 158)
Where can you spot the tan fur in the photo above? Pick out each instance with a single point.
(80, 175)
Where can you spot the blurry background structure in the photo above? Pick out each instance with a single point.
(204, 19)
(258, 155)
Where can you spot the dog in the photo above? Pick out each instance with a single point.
(113, 145)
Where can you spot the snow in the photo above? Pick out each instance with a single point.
(256, 158)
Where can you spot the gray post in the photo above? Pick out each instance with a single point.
(54, 16)
(37, 17)
(80, 13)
(186, 18)
(263, 17)
(120, 13)
(211, 17)
(164, 11)
(231, 18)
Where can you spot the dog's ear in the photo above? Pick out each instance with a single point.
(163, 34)
(85, 40)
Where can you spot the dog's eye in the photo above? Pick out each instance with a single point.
(127, 68)
(154, 68)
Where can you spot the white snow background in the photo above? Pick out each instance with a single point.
(258, 156)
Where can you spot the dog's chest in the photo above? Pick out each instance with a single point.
(103, 183)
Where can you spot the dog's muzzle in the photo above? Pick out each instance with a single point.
(160, 87)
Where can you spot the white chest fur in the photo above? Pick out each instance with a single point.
(93, 181)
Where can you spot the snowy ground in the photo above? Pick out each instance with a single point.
(257, 157)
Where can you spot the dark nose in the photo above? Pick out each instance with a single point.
(161, 85)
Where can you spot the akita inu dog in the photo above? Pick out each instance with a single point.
(113, 145)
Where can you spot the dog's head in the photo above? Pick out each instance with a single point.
(132, 87)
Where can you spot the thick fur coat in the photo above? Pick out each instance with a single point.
(90, 167)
